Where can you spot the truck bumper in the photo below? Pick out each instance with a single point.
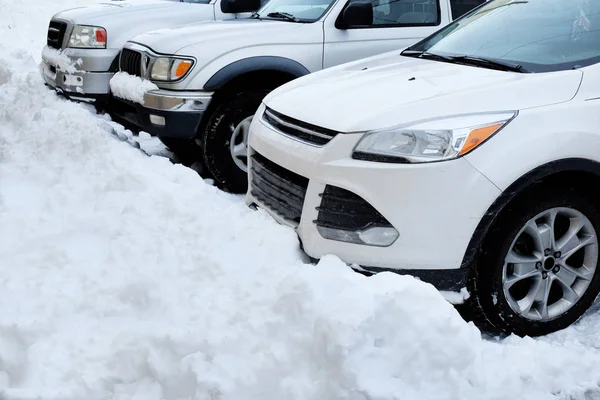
(79, 74)
(166, 113)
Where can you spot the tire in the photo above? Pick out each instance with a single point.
(186, 151)
(493, 303)
(216, 139)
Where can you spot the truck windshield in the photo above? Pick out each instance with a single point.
(294, 10)
(521, 35)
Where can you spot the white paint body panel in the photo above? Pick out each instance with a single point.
(317, 45)
(437, 206)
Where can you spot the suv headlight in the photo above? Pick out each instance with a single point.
(433, 140)
(169, 69)
(88, 37)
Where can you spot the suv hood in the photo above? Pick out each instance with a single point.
(389, 90)
(222, 36)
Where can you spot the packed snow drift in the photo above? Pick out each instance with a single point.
(124, 276)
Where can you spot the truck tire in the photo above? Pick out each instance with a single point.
(224, 136)
(186, 151)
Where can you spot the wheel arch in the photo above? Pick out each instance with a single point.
(580, 173)
(259, 64)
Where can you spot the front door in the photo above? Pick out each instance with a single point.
(396, 24)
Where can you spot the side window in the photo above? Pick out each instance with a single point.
(389, 13)
(461, 7)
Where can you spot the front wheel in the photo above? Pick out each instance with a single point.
(539, 269)
(225, 141)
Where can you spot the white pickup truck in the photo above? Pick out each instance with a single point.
(83, 44)
(210, 78)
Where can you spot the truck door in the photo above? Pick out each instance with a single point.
(396, 24)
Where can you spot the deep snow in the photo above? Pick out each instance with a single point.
(124, 276)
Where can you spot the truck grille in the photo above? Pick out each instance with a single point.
(344, 210)
(131, 62)
(299, 130)
(277, 188)
(56, 34)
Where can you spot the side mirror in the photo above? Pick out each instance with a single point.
(357, 14)
(239, 6)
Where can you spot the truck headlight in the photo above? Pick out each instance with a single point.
(169, 69)
(434, 140)
(88, 37)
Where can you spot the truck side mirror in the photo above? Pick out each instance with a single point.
(239, 6)
(357, 14)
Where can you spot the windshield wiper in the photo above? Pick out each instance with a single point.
(487, 63)
(467, 60)
(283, 15)
(425, 54)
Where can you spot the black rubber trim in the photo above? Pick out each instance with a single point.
(114, 66)
(178, 124)
(531, 178)
(252, 64)
(452, 280)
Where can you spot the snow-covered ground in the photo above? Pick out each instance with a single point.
(123, 276)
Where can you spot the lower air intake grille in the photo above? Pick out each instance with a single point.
(131, 62)
(277, 188)
(297, 129)
(56, 34)
(344, 210)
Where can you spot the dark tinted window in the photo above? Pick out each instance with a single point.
(461, 7)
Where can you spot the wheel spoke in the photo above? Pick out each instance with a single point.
(240, 150)
(570, 240)
(542, 235)
(542, 297)
(575, 243)
(566, 283)
(514, 258)
(582, 273)
(521, 271)
(527, 302)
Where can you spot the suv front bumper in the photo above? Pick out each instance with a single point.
(166, 113)
(89, 74)
(435, 208)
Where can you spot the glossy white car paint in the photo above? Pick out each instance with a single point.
(434, 206)
(122, 20)
(317, 45)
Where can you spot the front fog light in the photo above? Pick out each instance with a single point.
(380, 236)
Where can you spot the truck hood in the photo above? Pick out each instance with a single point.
(112, 8)
(235, 33)
(116, 17)
(389, 90)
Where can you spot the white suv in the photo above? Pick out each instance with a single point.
(211, 77)
(471, 161)
(84, 43)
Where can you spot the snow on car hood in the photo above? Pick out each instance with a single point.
(389, 90)
(222, 36)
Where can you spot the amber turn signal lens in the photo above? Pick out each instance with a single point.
(182, 68)
(477, 136)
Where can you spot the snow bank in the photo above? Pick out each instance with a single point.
(126, 277)
(132, 88)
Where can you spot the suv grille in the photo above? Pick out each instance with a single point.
(344, 210)
(279, 189)
(56, 34)
(131, 62)
(308, 133)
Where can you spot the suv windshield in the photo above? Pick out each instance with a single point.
(294, 10)
(520, 35)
